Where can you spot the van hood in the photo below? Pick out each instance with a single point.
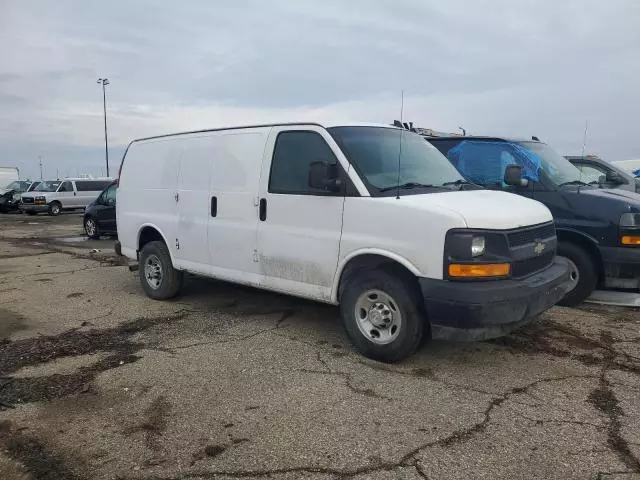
(487, 209)
(613, 194)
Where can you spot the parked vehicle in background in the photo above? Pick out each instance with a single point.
(100, 215)
(603, 174)
(598, 230)
(632, 166)
(54, 196)
(8, 175)
(326, 214)
(10, 196)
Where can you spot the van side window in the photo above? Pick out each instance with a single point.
(293, 155)
(66, 187)
(91, 185)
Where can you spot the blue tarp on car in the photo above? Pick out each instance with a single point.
(484, 162)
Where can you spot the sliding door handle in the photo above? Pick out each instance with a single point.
(263, 209)
(214, 206)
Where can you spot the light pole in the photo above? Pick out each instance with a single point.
(40, 161)
(104, 82)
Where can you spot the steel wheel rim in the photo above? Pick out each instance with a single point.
(378, 317)
(90, 227)
(153, 271)
(55, 209)
(574, 273)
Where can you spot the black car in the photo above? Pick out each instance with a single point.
(100, 215)
(598, 229)
(11, 194)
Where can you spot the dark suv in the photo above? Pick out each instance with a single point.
(598, 229)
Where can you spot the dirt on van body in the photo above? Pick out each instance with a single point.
(99, 382)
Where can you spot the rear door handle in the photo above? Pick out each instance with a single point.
(214, 206)
(263, 209)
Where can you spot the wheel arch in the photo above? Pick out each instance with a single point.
(149, 233)
(370, 258)
(589, 244)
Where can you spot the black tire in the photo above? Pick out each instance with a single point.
(587, 273)
(407, 302)
(55, 208)
(170, 281)
(91, 228)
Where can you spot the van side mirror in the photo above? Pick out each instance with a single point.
(110, 202)
(324, 176)
(513, 176)
(614, 177)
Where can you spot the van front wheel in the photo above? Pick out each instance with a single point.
(55, 208)
(382, 316)
(159, 279)
(582, 272)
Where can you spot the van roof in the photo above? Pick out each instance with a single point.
(280, 124)
(85, 179)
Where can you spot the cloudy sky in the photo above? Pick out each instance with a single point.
(497, 67)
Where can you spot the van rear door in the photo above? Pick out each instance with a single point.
(300, 227)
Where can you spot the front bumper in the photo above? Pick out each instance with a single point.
(621, 267)
(471, 311)
(32, 207)
(8, 206)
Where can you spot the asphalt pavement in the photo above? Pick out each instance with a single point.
(99, 382)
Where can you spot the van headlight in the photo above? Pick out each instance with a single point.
(478, 246)
(630, 220)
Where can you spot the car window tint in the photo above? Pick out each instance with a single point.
(293, 155)
(110, 194)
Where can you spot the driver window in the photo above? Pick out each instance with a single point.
(66, 187)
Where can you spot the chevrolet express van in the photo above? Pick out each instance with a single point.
(598, 229)
(368, 217)
(54, 196)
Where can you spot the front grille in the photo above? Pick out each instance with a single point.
(526, 267)
(530, 235)
(27, 199)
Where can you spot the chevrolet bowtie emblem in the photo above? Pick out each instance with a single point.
(539, 248)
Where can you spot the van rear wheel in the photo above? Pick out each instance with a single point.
(582, 272)
(382, 316)
(159, 279)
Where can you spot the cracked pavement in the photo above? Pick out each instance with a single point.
(99, 382)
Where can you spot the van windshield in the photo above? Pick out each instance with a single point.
(559, 170)
(377, 152)
(17, 185)
(47, 187)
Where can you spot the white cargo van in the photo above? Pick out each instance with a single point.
(8, 175)
(369, 217)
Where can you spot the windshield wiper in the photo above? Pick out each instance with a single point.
(407, 186)
(459, 183)
(574, 182)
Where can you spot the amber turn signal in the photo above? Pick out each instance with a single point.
(631, 240)
(479, 270)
